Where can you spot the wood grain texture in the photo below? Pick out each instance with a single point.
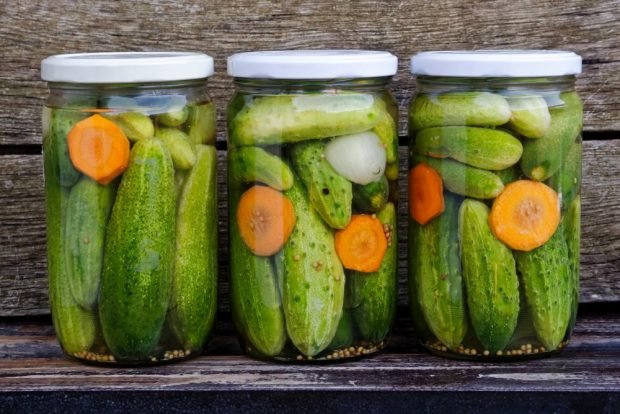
(33, 30)
(23, 284)
(32, 361)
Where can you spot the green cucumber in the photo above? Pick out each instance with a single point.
(61, 122)
(489, 149)
(255, 292)
(436, 272)
(173, 118)
(292, 118)
(193, 301)
(314, 279)
(74, 325)
(571, 223)
(530, 115)
(391, 171)
(139, 254)
(254, 164)
(329, 192)
(345, 333)
(135, 125)
(543, 157)
(387, 131)
(549, 288)
(372, 197)
(490, 278)
(378, 290)
(465, 180)
(181, 150)
(420, 327)
(458, 108)
(85, 223)
(201, 127)
(567, 181)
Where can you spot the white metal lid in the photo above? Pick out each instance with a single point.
(312, 64)
(126, 67)
(496, 63)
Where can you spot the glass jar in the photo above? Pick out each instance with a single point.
(130, 166)
(494, 206)
(312, 169)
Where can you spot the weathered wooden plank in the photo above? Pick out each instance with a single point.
(33, 362)
(31, 31)
(22, 226)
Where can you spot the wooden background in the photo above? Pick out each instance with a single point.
(30, 31)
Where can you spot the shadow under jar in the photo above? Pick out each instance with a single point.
(495, 173)
(312, 170)
(130, 162)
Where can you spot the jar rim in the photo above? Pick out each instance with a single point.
(496, 63)
(126, 67)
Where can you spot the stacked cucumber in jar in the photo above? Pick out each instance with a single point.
(311, 173)
(494, 204)
(131, 212)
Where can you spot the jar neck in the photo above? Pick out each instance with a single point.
(126, 87)
(442, 84)
(254, 85)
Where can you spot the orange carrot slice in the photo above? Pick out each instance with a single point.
(525, 215)
(362, 244)
(265, 218)
(98, 148)
(425, 193)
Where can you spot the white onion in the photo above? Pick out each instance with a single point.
(360, 158)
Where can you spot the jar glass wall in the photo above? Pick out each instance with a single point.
(130, 167)
(495, 174)
(312, 169)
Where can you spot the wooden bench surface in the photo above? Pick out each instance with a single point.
(35, 377)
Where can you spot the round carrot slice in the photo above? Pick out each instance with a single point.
(265, 218)
(362, 244)
(425, 193)
(98, 148)
(525, 215)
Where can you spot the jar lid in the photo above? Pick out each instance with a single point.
(126, 67)
(312, 64)
(496, 63)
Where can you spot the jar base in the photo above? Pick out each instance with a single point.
(518, 354)
(344, 354)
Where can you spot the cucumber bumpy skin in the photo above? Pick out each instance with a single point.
(387, 131)
(465, 180)
(292, 118)
(173, 118)
(372, 197)
(543, 157)
(549, 288)
(200, 124)
(193, 302)
(329, 192)
(458, 108)
(135, 125)
(345, 333)
(254, 164)
(87, 214)
(530, 115)
(177, 142)
(436, 272)
(255, 292)
(378, 290)
(571, 223)
(489, 149)
(75, 326)
(60, 164)
(567, 181)
(139, 254)
(490, 278)
(314, 279)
